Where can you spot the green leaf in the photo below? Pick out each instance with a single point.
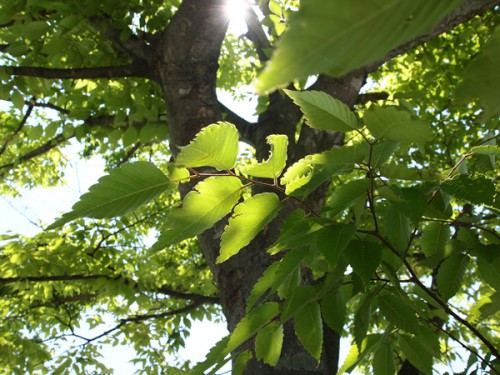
(214, 357)
(252, 323)
(482, 77)
(309, 329)
(123, 190)
(402, 172)
(364, 258)
(201, 208)
(323, 111)
(398, 312)
(356, 355)
(248, 218)
(333, 309)
(35, 29)
(269, 342)
(491, 150)
(397, 228)
(344, 196)
(473, 189)
(296, 231)
(276, 274)
(272, 167)
(451, 273)
(301, 296)
(336, 37)
(389, 123)
(381, 153)
(362, 319)
(434, 238)
(214, 146)
(239, 365)
(488, 263)
(332, 241)
(416, 354)
(313, 170)
(384, 361)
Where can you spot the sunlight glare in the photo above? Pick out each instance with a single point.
(235, 10)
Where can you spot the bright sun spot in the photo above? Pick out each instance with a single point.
(235, 11)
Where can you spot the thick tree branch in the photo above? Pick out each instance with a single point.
(372, 97)
(256, 34)
(18, 129)
(470, 9)
(245, 128)
(135, 47)
(122, 71)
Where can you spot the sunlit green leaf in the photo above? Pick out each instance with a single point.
(336, 37)
(214, 357)
(323, 111)
(214, 146)
(248, 218)
(122, 191)
(252, 323)
(211, 200)
(390, 123)
(272, 167)
(268, 343)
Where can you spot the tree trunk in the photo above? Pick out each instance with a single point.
(188, 61)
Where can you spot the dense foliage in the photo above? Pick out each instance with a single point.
(388, 237)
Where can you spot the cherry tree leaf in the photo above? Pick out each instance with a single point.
(201, 208)
(322, 111)
(336, 37)
(123, 190)
(272, 167)
(248, 219)
(269, 342)
(214, 146)
(390, 123)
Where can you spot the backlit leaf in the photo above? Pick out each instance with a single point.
(364, 257)
(309, 328)
(336, 37)
(473, 189)
(272, 167)
(255, 320)
(416, 353)
(398, 312)
(332, 241)
(434, 238)
(201, 208)
(323, 111)
(268, 343)
(384, 361)
(123, 190)
(333, 309)
(248, 218)
(482, 77)
(214, 146)
(397, 228)
(451, 273)
(344, 196)
(389, 123)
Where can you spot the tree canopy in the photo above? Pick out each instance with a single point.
(364, 203)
